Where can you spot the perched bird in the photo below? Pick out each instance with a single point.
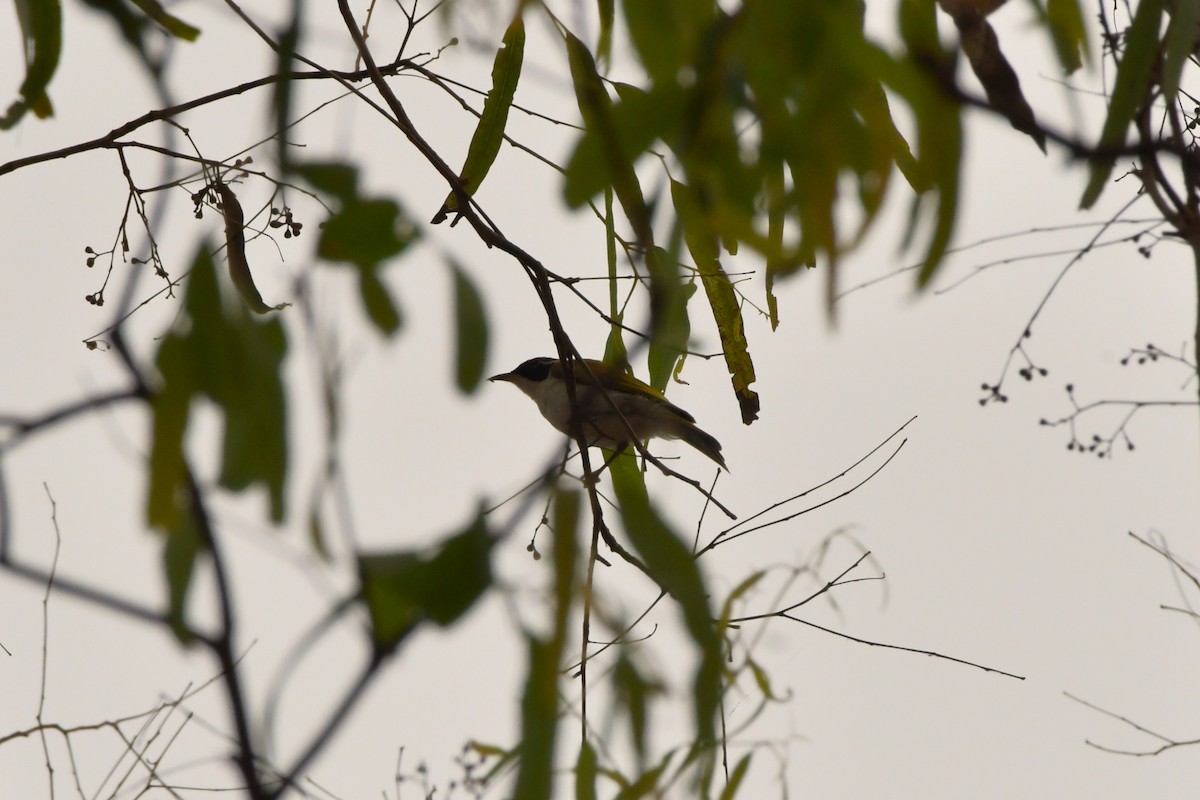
(647, 411)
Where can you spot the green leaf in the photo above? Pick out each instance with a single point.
(636, 122)
(606, 10)
(539, 723)
(182, 546)
(670, 327)
(470, 332)
(633, 691)
(646, 783)
(763, 681)
(722, 299)
(736, 777)
(404, 588)
(595, 106)
(489, 133)
(41, 43)
(1180, 41)
(170, 407)
(234, 360)
(281, 91)
(566, 555)
(173, 25)
(378, 303)
(365, 233)
(666, 34)
(671, 564)
(1067, 29)
(738, 592)
(339, 180)
(1130, 91)
(585, 773)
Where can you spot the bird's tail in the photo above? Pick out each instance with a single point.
(704, 443)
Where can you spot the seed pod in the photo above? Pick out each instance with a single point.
(235, 251)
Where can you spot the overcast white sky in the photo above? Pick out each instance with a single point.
(1000, 546)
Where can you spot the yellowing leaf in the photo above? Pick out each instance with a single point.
(702, 243)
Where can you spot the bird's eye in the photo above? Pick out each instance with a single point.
(535, 369)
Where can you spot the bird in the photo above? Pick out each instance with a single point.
(646, 410)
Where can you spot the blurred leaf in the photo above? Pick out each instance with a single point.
(539, 705)
(235, 361)
(404, 588)
(316, 535)
(763, 681)
(665, 33)
(281, 91)
(595, 106)
(364, 232)
(170, 407)
(585, 773)
(673, 567)
(1180, 42)
(632, 692)
(171, 24)
(489, 133)
(566, 555)
(41, 46)
(738, 592)
(635, 123)
(670, 327)
(378, 303)
(180, 550)
(337, 179)
(736, 777)
(471, 332)
(1130, 91)
(606, 11)
(1069, 33)
(918, 77)
(539, 723)
(645, 784)
(134, 20)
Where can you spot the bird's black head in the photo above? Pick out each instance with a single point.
(536, 369)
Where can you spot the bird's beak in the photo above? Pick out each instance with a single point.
(504, 376)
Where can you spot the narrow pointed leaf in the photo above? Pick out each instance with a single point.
(1069, 33)
(170, 23)
(595, 106)
(736, 777)
(1181, 39)
(671, 564)
(489, 133)
(470, 332)
(1130, 92)
(41, 43)
(727, 312)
